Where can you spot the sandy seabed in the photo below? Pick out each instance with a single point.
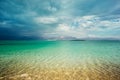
(15, 70)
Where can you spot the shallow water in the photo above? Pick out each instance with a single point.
(60, 60)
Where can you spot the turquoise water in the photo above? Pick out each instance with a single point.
(60, 53)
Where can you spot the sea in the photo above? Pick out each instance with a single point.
(60, 60)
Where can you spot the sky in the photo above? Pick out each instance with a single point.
(59, 19)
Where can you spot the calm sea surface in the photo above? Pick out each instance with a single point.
(58, 54)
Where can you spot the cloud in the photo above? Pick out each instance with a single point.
(100, 37)
(53, 9)
(95, 23)
(45, 20)
(90, 26)
(65, 31)
(63, 27)
(61, 18)
(3, 23)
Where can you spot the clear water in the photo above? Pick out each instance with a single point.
(89, 60)
(61, 53)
